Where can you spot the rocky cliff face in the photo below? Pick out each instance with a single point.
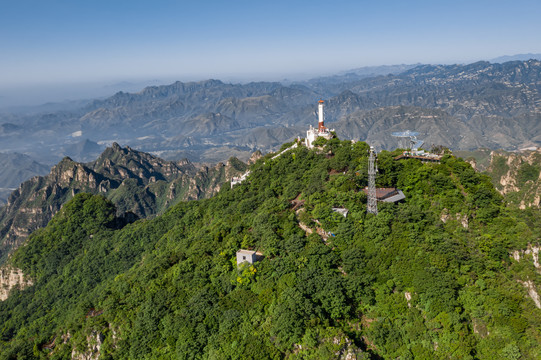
(10, 278)
(517, 176)
(92, 351)
(137, 182)
(529, 284)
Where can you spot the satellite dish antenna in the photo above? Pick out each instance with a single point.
(412, 135)
(406, 133)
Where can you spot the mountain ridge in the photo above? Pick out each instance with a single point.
(140, 185)
(480, 96)
(519, 57)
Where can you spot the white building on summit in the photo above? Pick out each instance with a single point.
(312, 134)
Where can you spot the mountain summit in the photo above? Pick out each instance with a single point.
(448, 272)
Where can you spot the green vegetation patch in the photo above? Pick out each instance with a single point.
(527, 172)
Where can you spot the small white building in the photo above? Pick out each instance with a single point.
(249, 256)
(312, 134)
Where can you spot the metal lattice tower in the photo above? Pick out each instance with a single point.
(372, 169)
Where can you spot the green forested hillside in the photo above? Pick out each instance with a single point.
(136, 182)
(428, 278)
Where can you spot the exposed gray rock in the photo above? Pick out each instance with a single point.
(10, 278)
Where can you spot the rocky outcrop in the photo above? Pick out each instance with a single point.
(461, 218)
(524, 255)
(517, 176)
(532, 250)
(255, 156)
(94, 342)
(341, 345)
(407, 295)
(480, 328)
(10, 278)
(532, 292)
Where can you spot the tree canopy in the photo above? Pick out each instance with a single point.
(430, 277)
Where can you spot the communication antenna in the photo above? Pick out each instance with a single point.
(372, 169)
(412, 135)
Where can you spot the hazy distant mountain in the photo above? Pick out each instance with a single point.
(84, 150)
(434, 125)
(16, 168)
(370, 71)
(67, 105)
(518, 57)
(462, 106)
(357, 74)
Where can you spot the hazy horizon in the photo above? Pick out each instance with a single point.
(83, 46)
(23, 96)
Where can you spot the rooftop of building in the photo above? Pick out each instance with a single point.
(387, 194)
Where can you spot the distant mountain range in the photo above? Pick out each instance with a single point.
(459, 106)
(517, 57)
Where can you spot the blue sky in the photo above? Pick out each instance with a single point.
(70, 41)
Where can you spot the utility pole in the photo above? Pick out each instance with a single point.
(372, 169)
